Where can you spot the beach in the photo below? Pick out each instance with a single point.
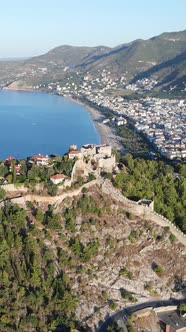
(107, 134)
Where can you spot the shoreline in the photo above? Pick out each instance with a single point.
(107, 134)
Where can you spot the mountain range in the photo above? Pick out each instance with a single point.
(162, 58)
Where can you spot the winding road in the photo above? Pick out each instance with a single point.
(122, 315)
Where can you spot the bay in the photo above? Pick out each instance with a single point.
(34, 122)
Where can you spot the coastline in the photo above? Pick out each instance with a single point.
(107, 134)
(19, 89)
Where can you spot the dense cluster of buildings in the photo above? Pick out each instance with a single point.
(145, 84)
(162, 121)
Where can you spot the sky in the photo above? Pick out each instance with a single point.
(29, 28)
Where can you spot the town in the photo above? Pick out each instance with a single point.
(162, 121)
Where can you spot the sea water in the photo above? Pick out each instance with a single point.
(34, 122)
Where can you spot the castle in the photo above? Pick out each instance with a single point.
(101, 154)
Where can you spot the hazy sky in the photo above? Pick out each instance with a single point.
(33, 27)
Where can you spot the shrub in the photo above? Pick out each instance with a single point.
(130, 326)
(2, 193)
(127, 295)
(182, 308)
(125, 272)
(158, 269)
(133, 235)
(39, 215)
(91, 177)
(172, 237)
(97, 309)
(84, 190)
(52, 189)
(113, 305)
(29, 205)
(148, 287)
(103, 297)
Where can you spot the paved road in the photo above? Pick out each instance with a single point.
(122, 315)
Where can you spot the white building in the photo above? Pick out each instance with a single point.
(75, 154)
(58, 178)
(39, 159)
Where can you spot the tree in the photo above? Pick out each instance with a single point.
(2, 193)
(13, 170)
(32, 281)
(114, 327)
(52, 189)
(182, 308)
(39, 215)
(3, 170)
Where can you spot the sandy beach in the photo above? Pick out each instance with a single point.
(107, 134)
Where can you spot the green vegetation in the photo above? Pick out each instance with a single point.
(148, 287)
(52, 189)
(103, 297)
(182, 308)
(3, 170)
(87, 205)
(130, 324)
(125, 272)
(113, 305)
(35, 294)
(127, 296)
(158, 269)
(83, 252)
(172, 237)
(2, 193)
(114, 328)
(155, 180)
(31, 173)
(158, 49)
(132, 141)
(132, 236)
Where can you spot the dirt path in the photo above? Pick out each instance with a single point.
(106, 186)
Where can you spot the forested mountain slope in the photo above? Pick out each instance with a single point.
(72, 266)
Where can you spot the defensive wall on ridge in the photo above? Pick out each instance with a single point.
(142, 211)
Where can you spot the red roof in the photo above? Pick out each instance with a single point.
(39, 156)
(9, 158)
(58, 176)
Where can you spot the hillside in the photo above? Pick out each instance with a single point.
(162, 56)
(171, 74)
(70, 56)
(140, 54)
(75, 251)
(91, 254)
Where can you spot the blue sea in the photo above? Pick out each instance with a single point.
(34, 122)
